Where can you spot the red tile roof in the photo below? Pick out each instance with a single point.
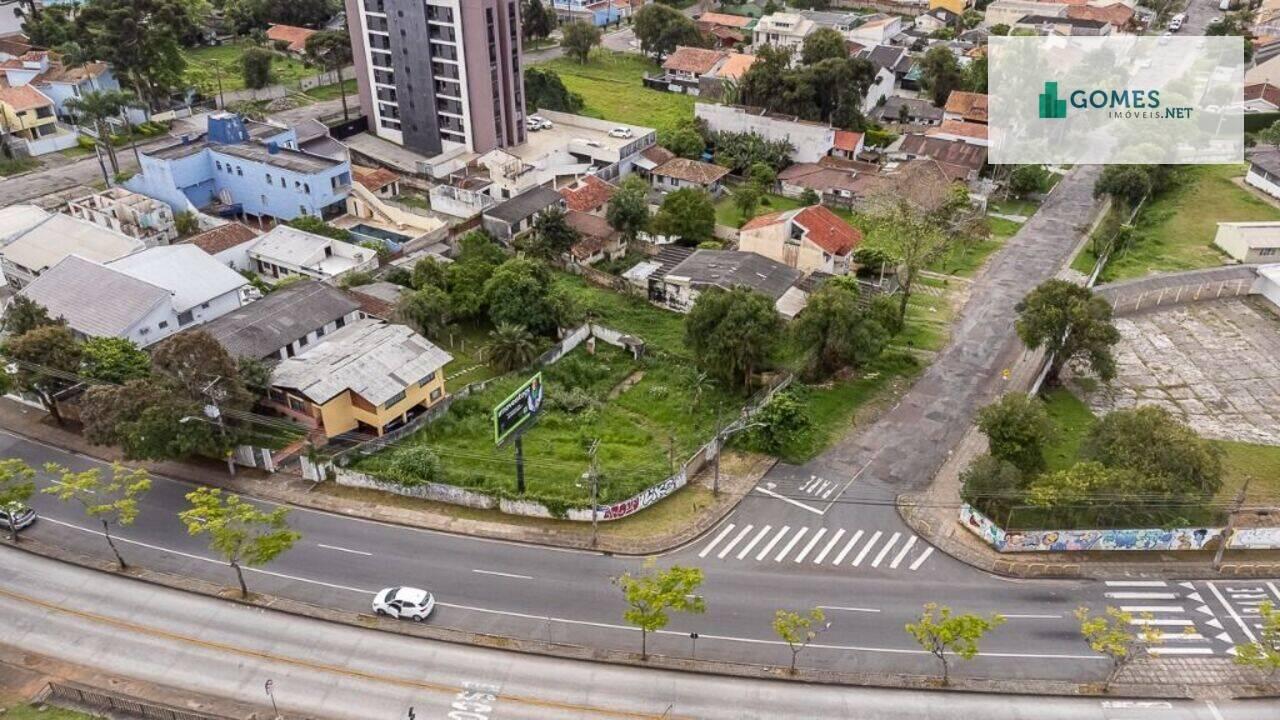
(848, 140)
(960, 128)
(19, 63)
(828, 230)
(23, 97)
(725, 19)
(373, 179)
(657, 154)
(590, 193)
(736, 66)
(1263, 91)
(762, 221)
(693, 60)
(968, 105)
(296, 37)
(223, 237)
(1118, 14)
(694, 171)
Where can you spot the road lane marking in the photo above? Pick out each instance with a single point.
(773, 541)
(852, 541)
(1232, 612)
(816, 537)
(920, 560)
(1142, 596)
(792, 543)
(763, 531)
(503, 574)
(1136, 704)
(345, 550)
(784, 498)
(885, 550)
(1030, 617)
(1137, 583)
(1161, 621)
(727, 529)
(844, 608)
(897, 559)
(1166, 636)
(867, 548)
(736, 539)
(834, 539)
(1179, 651)
(853, 479)
(1152, 608)
(1213, 710)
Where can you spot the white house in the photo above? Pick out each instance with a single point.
(877, 30)
(1249, 242)
(784, 30)
(41, 244)
(811, 140)
(1264, 171)
(139, 216)
(1268, 283)
(286, 251)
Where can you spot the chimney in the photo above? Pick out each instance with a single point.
(273, 148)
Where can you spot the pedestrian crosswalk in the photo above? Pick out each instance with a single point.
(819, 488)
(1177, 614)
(833, 547)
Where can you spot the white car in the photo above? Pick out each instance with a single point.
(620, 132)
(543, 123)
(405, 603)
(21, 520)
(532, 125)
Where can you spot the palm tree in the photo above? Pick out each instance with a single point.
(99, 107)
(511, 346)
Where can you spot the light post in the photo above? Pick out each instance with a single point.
(717, 444)
(269, 686)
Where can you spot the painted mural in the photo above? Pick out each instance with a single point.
(1256, 538)
(1082, 540)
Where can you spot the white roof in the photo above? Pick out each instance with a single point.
(375, 360)
(189, 273)
(292, 245)
(19, 218)
(791, 302)
(95, 300)
(1270, 272)
(58, 236)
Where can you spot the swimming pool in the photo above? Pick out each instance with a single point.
(392, 240)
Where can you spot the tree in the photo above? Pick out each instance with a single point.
(823, 43)
(992, 485)
(1028, 179)
(24, 314)
(426, 309)
(1236, 23)
(238, 530)
(207, 77)
(331, 50)
(763, 175)
(517, 294)
(1000, 29)
(186, 223)
(47, 358)
(732, 333)
(200, 368)
(1151, 441)
(1270, 135)
(784, 422)
(687, 214)
(17, 485)
(1111, 634)
(151, 419)
(913, 239)
(1017, 429)
(543, 90)
(511, 347)
(140, 39)
(975, 76)
(578, 40)
(100, 107)
(316, 226)
(430, 272)
(1129, 183)
(941, 633)
(114, 360)
(835, 331)
(628, 210)
(746, 199)
(661, 29)
(255, 67)
(809, 197)
(654, 594)
(740, 151)
(797, 630)
(1264, 653)
(112, 502)
(685, 141)
(537, 22)
(941, 73)
(1069, 322)
(552, 235)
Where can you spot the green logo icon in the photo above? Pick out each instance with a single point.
(1051, 107)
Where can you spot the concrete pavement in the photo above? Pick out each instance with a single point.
(322, 670)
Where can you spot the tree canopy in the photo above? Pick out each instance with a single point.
(1071, 323)
(578, 39)
(835, 331)
(686, 214)
(544, 90)
(661, 29)
(733, 333)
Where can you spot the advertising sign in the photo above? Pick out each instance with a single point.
(519, 408)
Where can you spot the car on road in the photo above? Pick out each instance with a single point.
(20, 520)
(404, 602)
(543, 123)
(620, 132)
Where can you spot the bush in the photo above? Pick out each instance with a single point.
(573, 401)
(414, 465)
(1017, 429)
(784, 421)
(992, 485)
(355, 279)
(85, 142)
(255, 67)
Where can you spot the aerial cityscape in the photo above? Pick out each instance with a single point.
(543, 359)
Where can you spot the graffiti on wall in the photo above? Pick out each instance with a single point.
(1080, 540)
(644, 499)
(1256, 538)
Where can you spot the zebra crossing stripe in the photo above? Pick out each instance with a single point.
(810, 485)
(736, 539)
(897, 559)
(1179, 651)
(920, 560)
(823, 555)
(852, 541)
(1141, 596)
(885, 550)
(786, 550)
(763, 531)
(1161, 621)
(830, 490)
(774, 541)
(816, 537)
(867, 548)
(1137, 583)
(1152, 608)
(727, 529)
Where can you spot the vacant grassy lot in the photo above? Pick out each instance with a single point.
(1175, 230)
(284, 70)
(611, 88)
(727, 213)
(44, 712)
(333, 92)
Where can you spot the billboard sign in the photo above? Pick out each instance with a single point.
(519, 408)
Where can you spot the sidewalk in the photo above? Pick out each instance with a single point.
(667, 525)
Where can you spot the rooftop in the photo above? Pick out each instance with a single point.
(46, 243)
(373, 179)
(1263, 91)
(954, 152)
(694, 171)
(378, 299)
(95, 300)
(960, 128)
(17, 219)
(303, 249)
(588, 194)
(736, 21)
(223, 237)
(23, 97)
(296, 37)
(262, 327)
(284, 158)
(190, 275)
(527, 203)
(847, 140)
(735, 66)
(372, 359)
(697, 61)
(730, 268)
(822, 227)
(969, 105)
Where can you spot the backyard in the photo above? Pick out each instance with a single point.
(1175, 230)
(611, 88)
(285, 70)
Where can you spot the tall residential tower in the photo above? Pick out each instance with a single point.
(438, 74)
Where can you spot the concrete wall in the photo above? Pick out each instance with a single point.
(1179, 288)
(811, 141)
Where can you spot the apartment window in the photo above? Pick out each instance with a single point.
(185, 317)
(204, 306)
(306, 188)
(296, 404)
(304, 341)
(320, 333)
(302, 210)
(164, 324)
(430, 376)
(1268, 252)
(218, 164)
(340, 322)
(394, 399)
(268, 178)
(435, 394)
(239, 171)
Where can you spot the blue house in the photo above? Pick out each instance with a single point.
(243, 167)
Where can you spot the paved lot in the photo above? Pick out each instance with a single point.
(1214, 364)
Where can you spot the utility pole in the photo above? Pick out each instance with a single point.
(270, 688)
(1230, 530)
(716, 444)
(594, 473)
(215, 412)
(520, 463)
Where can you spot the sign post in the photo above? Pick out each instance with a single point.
(513, 416)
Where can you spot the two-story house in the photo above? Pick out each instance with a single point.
(811, 239)
(28, 120)
(286, 251)
(42, 240)
(284, 322)
(784, 30)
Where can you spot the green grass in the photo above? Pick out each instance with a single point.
(611, 88)
(331, 92)
(13, 167)
(414, 200)
(1071, 421)
(284, 70)
(727, 213)
(1175, 230)
(928, 325)
(632, 314)
(1013, 207)
(31, 712)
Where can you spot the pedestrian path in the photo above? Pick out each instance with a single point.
(805, 545)
(1194, 618)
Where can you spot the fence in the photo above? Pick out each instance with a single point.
(94, 699)
(1180, 288)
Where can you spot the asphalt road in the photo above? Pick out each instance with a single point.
(193, 643)
(1199, 14)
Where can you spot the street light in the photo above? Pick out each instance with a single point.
(212, 412)
(718, 443)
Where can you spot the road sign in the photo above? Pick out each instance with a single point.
(519, 408)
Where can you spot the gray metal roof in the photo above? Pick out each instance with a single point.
(372, 359)
(261, 328)
(95, 300)
(526, 204)
(283, 158)
(731, 268)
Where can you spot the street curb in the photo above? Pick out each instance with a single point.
(617, 657)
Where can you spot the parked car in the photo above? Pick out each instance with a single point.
(543, 123)
(404, 602)
(620, 132)
(23, 519)
(532, 125)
